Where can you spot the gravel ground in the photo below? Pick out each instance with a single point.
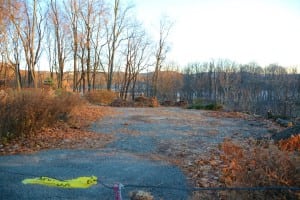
(147, 141)
(149, 130)
(109, 166)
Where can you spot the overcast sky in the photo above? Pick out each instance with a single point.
(265, 31)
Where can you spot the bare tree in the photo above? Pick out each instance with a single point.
(136, 58)
(141, 59)
(4, 18)
(97, 42)
(51, 51)
(13, 55)
(72, 10)
(29, 27)
(60, 31)
(82, 51)
(114, 30)
(87, 13)
(161, 51)
(9, 43)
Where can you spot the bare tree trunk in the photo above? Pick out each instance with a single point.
(82, 74)
(161, 52)
(88, 64)
(74, 24)
(31, 35)
(113, 38)
(133, 87)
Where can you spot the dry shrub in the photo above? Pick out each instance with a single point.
(146, 102)
(24, 112)
(122, 103)
(138, 102)
(291, 144)
(102, 97)
(154, 102)
(259, 166)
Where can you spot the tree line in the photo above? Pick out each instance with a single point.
(244, 87)
(92, 36)
(109, 48)
(239, 87)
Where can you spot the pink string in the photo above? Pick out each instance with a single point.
(117, 190)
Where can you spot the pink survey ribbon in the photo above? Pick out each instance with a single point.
(117, 190)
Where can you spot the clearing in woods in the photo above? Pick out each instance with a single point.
(151, 146)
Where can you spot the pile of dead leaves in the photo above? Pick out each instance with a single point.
(64, 135)
(82, 116)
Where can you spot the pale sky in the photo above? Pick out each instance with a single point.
(265, 31)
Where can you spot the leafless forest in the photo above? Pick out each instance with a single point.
(95, 44)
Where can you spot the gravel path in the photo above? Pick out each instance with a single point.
(161, 130)
(146, 138)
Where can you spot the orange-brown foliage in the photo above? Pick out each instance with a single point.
(22, 113)
(101, 97)
(291, 144)
(259, 166)
(70, 135)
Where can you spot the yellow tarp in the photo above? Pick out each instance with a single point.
(80, 182)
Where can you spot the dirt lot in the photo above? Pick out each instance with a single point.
(164, 146)
(185, 138)
(174, 131)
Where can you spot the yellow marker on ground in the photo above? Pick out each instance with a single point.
(80, 182)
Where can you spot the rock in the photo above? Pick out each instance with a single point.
(204, 182)
(66, 141)
(140, 195)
